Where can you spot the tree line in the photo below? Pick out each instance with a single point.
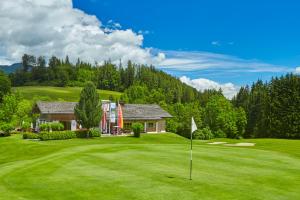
(260, 111)
(272, 108)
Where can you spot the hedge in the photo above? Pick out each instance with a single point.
(82, 133)
(62, 135)
(85, 133)
(57, 135)
(31, 136)
(54, 126)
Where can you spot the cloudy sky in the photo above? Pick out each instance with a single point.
(207, 44)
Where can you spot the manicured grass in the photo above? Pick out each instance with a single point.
(151, 167)
(59, 93)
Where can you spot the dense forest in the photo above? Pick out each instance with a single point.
(270, 109)
(273, 108)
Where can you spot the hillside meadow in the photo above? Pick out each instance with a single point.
(155, 166)
(47, 93)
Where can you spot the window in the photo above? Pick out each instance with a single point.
(127, 125)
(150, 125)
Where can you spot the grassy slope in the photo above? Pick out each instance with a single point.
(59, 93)
(152, 167)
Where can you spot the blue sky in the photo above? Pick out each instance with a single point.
(258, 30)
(207, 44)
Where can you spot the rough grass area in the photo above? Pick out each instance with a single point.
(59, 93)
(151, 167)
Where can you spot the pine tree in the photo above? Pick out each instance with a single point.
(88, 111)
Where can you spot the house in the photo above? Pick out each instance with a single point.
(152, 116)
(56, 112)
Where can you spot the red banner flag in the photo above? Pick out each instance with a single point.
(120, 116)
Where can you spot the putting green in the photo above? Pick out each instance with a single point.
(151, 167)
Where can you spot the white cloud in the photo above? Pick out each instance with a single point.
(54, 27)
(191, 61)
(146, 32)
(201, 84)
(297, 70)
(215, 43)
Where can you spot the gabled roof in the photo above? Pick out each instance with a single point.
(56, 107)
(130, 111)
(144, 112)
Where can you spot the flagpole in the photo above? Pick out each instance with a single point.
(191, 151)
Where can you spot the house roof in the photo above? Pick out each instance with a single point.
(144, 112)
(56, 107)
(130, 111)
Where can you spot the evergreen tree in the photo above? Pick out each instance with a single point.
(88, 110)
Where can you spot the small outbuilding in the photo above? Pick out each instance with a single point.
(152, 116)
(62, 112)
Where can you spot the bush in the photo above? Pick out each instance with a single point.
(220, 134)
(54, 126)
(137, 129)
(14, 132)
(6, 129)
(85, 133)
(26, 126)
(57, 135)
(198, 135)
(82, 133)
(45, 127)
(30, 136)
(203, 134)
(4, 134)
(95, 132)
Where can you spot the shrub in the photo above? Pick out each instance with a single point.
(6, 129)
(137, 129)
(82, 133)
(54, 126)
(57, 126)
(45, 127)
(95, 132)
(30, 136)
(220, 134)
(198, 135)
(14, 132)
(26, 126)
(57, 135)
(203, 134)
(85, 133)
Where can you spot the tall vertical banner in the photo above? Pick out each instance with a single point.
(112, 112)
(105, 109)
(193, 129)
(120, 117)
(104, 122)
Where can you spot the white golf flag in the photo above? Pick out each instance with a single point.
(194, 126)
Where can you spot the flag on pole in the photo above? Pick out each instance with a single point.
(120, 116)
(104, 122)
(193, 129)
(194, 126)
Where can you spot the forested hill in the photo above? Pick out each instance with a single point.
(10, 68)
(273, 108)
(150, 81)
(270, 109)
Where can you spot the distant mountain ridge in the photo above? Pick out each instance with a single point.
(10, 68)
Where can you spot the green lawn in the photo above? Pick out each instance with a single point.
(59, 93)
(152, 167)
